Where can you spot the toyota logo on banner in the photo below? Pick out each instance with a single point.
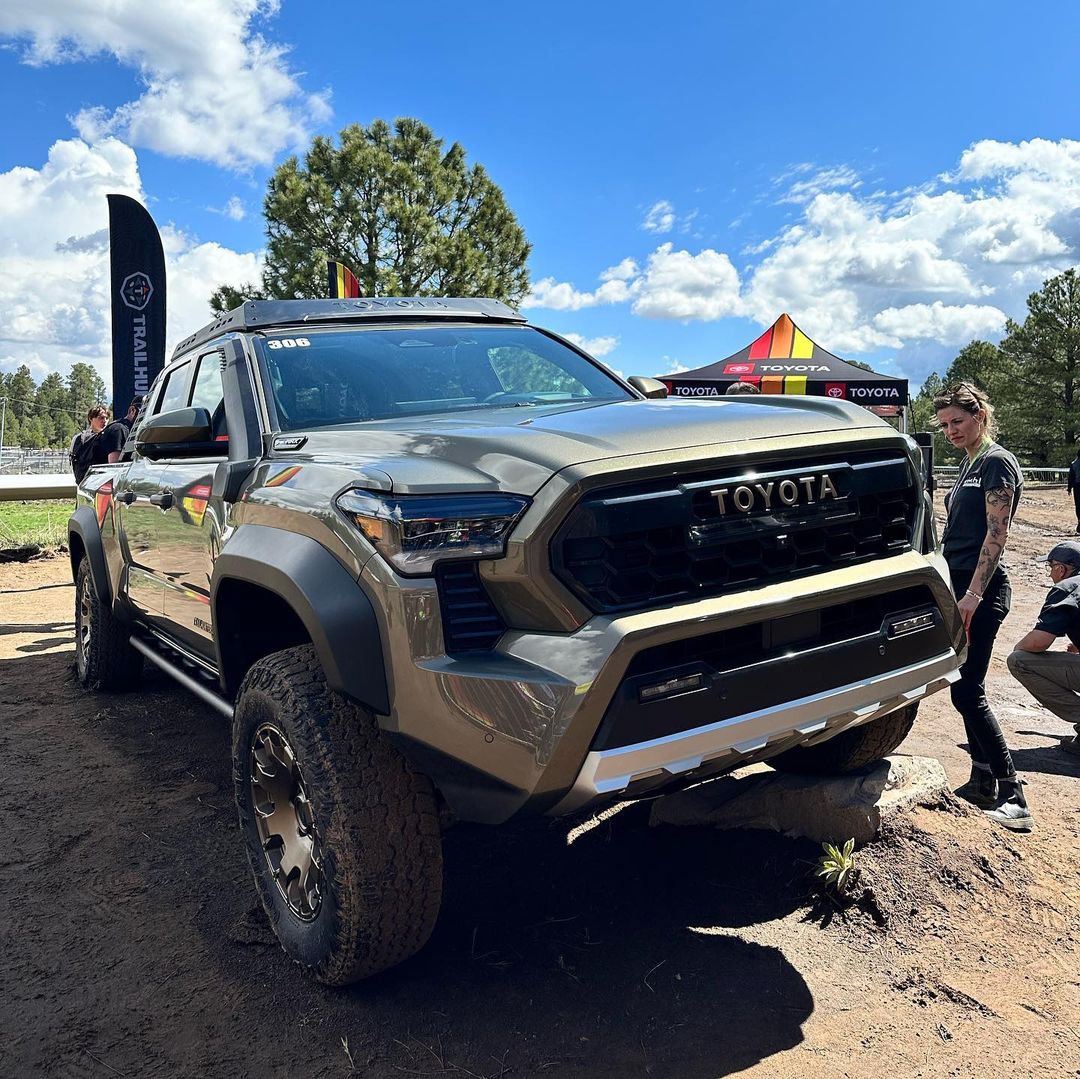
(738, 368)
(835, 389)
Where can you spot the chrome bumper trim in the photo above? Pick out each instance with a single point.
(803, 721)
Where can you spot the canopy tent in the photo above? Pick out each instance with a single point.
(784, 360)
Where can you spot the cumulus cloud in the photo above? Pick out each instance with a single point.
(594, 346)
(214, 88)
(54, 260)
(679, 285)
(927, 268)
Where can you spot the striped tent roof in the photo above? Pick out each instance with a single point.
(784, 360)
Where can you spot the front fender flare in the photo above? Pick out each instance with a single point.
(336, 612)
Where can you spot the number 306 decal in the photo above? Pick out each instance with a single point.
(288, 342)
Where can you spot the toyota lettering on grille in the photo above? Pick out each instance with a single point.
(762, 497)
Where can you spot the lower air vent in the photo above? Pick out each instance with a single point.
(470, 621)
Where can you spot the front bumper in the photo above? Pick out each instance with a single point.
(517, 729)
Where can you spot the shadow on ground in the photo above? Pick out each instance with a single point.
(130, 939)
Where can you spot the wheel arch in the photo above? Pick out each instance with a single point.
(273, 589)
(84, 541)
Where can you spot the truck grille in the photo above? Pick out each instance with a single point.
(687, 537)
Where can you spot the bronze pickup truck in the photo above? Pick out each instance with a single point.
(435, 563)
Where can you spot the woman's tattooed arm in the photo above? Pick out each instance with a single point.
(998, 511)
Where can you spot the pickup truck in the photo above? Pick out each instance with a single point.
(435, 563)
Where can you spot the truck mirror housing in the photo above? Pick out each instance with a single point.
(648, 387)
(184, 432)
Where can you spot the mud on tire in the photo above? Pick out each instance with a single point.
(852, 749)
(373, 822)
(104, 658)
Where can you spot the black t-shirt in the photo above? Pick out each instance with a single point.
(114, 437)
(1060, 614)
(965, 528)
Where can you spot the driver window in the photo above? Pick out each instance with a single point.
(209, 393)
(174, 395)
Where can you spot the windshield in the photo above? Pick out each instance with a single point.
(325, 377)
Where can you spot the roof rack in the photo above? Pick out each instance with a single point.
(259, 314)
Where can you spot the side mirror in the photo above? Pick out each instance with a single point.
(648, 387)
(185, 432)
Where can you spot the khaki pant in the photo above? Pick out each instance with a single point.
(1053, 679)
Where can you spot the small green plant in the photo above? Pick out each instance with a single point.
(836, 866)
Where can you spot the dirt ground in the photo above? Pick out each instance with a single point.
(130, 943)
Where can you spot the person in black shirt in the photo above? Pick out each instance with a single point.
(116, 434)
(980, 508)
(1073, 487)
(87, 447)
(1053, 678)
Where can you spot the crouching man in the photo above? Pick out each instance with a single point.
(1053, 678)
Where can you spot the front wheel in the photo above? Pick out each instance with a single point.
(851, 749)
(342, 836)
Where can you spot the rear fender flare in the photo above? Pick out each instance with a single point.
(83, 524)
(337, 614)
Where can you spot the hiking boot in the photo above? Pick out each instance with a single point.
(980, 790)
(1011, 810)
(1071, 745)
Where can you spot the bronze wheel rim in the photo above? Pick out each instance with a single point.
(286, 823)
(84, 625)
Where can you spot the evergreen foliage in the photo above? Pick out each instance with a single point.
(1032, 378)
(408, 218)
(47, 416)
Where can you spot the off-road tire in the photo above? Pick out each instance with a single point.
(376, 822)
(104, 659)
(852, 749)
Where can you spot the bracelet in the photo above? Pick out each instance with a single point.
(975, 594)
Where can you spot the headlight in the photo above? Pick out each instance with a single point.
(413, 532)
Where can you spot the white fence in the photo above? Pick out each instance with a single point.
(15, 461)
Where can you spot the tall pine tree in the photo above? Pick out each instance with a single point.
(409, 218)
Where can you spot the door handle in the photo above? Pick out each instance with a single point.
(163, 500)
(127, 497)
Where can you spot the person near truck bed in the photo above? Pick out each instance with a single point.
(979, 510)
(1073, 487)
(86, 449)
(1053, 678)
(116, 434)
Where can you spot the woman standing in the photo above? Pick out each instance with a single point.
(980, 508)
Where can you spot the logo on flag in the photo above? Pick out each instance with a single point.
(738, 368)
(136, 290)
(835, 389)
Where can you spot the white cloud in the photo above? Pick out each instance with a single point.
(937, 322)
(677, 284)
(660, 217)
(832, 179)
(54, 260)
(594, 346)
(214, 88)
(234, 209)
(624, 271)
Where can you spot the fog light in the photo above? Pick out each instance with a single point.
(671, 688)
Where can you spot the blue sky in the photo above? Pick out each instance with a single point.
(897, 177)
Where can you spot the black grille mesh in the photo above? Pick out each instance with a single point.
(640, 545)
(470, 621)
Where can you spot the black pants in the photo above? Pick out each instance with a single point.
(985, 740)
(1076, 505)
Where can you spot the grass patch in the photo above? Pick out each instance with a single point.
(43, 523)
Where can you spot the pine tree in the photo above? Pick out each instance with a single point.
(407, 217)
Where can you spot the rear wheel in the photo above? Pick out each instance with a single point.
(851, 749)
(342, 836)
(104, 658)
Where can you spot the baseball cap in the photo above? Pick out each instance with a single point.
(1068, 553)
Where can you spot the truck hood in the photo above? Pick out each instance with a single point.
(519, 449)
